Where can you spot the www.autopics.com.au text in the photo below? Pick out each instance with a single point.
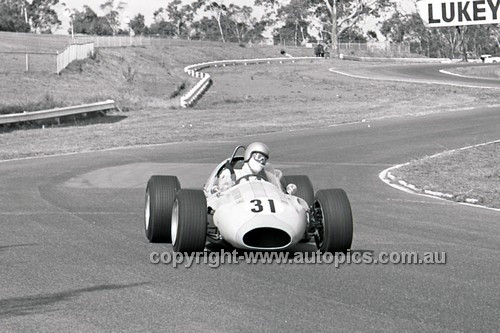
(216, 259)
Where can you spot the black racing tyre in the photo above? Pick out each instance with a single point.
(305, 188)
(189, 221)
(160, 197)
(335, 228)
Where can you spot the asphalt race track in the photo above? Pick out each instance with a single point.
(74, 256)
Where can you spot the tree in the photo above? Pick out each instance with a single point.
(241, 25)
(352, 35)
(161, 26)
(394, 28)
(42, 15)
(24, 16)
(296, 13)
(348, 13)
(339, 16)
(204, 29)
(12, 17)
(180, 16)
(217, 10)
(87, 22)
(112, 14)
(138, 25)
(401, 28)
(439, 42)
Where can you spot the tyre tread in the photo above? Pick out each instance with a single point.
(337, 218)
(192, 221)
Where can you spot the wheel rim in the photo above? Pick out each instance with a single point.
(319, 233)
(175, 221)
(147, 210)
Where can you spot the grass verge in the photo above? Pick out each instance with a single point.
(47, 102)
(489, 71)
(468, 175)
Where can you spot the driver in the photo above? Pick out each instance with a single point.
(256, 156)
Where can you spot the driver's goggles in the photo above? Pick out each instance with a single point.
(259, 157)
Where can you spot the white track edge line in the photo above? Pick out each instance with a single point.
(383, 177)
(333, 70)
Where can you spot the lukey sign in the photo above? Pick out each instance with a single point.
(446, 13)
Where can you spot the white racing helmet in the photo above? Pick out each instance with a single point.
(256, 156)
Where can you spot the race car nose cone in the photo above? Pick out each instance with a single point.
(267, 238)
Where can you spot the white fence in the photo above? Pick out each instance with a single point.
(55, 62)
(377, 46)
(17, 61)
(72, 53)
(115, 41)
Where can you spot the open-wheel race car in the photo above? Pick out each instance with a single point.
(267, 211)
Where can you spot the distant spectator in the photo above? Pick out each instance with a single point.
(319, 51)
(284, 54)
(327, 50)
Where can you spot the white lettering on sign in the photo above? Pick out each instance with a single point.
(450, 13)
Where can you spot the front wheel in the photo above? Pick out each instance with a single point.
(189, 221)
(333, 217)
(160, 196)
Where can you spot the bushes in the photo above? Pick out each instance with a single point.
(46, 103)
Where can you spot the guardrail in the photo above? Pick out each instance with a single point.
(195, 93)
(56, 113)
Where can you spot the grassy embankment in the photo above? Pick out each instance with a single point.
(253, 99)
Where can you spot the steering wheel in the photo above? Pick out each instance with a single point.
(247, 178)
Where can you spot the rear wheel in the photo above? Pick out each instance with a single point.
(304, 187)
(189, 221)
(160, 196)
(333, 218)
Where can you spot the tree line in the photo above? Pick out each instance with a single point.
(295, 21)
